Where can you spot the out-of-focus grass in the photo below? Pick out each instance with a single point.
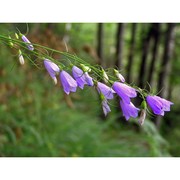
(36, 121)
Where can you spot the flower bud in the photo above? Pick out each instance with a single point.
(142, 117)
(17, 37)
(21, 58)
(10, 42)
(105, 76)
(144, 104)
(119, 76)
(85, 68)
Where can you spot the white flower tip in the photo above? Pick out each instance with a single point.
(119, 76)
(55, 80)
(142, 117)
(21, 60)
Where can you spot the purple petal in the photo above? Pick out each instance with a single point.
(105, 90)
(158, 104)
(105, 106)
(128, 109)
(29, 45)
(68, 83)
(52, 69)
(124, 91)
(79, 76)
(88, 79)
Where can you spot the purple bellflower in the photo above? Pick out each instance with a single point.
(52, 69)
(26, 40)
(79, 76)
(158, 105)
(68, 83)
(124, 91)
(128, 109)
(88, 79)
(105, 90)
(105, 106)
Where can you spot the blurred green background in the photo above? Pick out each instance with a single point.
(37, 119)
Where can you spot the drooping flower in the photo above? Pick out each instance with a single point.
(26, 40)
(119, 76)
(68, 83)
(78, 75)
(21, 58)
(158, 104)
(88, 79)
(52, 69)
(105, 90)
(81, 77)
(124, 91)
(105, 106)
(128, 109)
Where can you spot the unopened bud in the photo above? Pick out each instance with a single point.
(17, 37)
(144, 104)
(55, 80)
(21, 58)
(10, 42)
(119, 76)
(105, 76)
(85, 68)
(142, 117)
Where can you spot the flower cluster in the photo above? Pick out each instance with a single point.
(80, 76)
(124, 91)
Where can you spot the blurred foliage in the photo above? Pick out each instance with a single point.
(37, 119)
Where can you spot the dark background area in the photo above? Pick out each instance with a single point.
(38, 119)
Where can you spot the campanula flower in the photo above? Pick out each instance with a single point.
(79, 76)
(124, 91)
(52, 69)
(68, 83)
(105, 90)
(105, 106)
(128, 109)
(26, 40)
(158, 104)
(88, 79)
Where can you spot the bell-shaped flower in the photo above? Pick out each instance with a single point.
(158, 104)
(128, 109)
(68, 83)
(104, 103)
(105, 106)
(28, 43)
(124, 91)
(52, 69)
(88, 79)
(105, 90)
(79, 76)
